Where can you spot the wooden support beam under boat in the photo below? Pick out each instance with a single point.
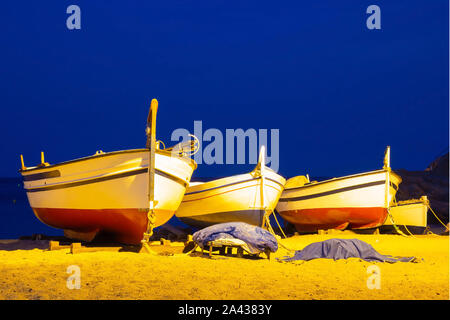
(227, 250)
(162, 247)
(55, 245)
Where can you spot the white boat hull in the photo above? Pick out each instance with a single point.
(107, 193)
(358, 201)
(408, 216)
(237, 198)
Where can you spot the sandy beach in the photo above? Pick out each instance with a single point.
(42, 274)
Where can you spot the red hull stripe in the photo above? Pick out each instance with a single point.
(333, 218)
(327, 193)
(106, 178)
(122, 225)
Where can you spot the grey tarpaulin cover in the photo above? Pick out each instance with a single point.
(255, 238)
(343, 249)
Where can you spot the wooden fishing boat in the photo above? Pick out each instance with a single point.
(108, 194)
(245, 198)
(358, 201)
(409, 216)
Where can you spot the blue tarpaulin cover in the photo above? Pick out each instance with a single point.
(256, 238)
(343, 249)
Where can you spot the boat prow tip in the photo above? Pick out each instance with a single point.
(22, 165)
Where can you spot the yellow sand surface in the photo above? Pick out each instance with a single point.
(42, 274)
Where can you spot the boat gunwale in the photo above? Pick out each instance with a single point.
(91, 180)
(229, 185)
(334, 191)
(400, 204)
(343, 178)
(235, 177)
(190, 161)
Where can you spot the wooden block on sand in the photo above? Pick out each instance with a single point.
(54, 245)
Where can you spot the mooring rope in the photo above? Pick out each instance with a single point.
(429, 207)
(395, 225)
(278, 224)
(273, 232)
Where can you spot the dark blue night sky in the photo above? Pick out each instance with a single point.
(338, 92)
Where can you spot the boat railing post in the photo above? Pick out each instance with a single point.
(43, 163)
(387, 167)
(387, 158)
(22, 164)
(261, 167)
(151, 145)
